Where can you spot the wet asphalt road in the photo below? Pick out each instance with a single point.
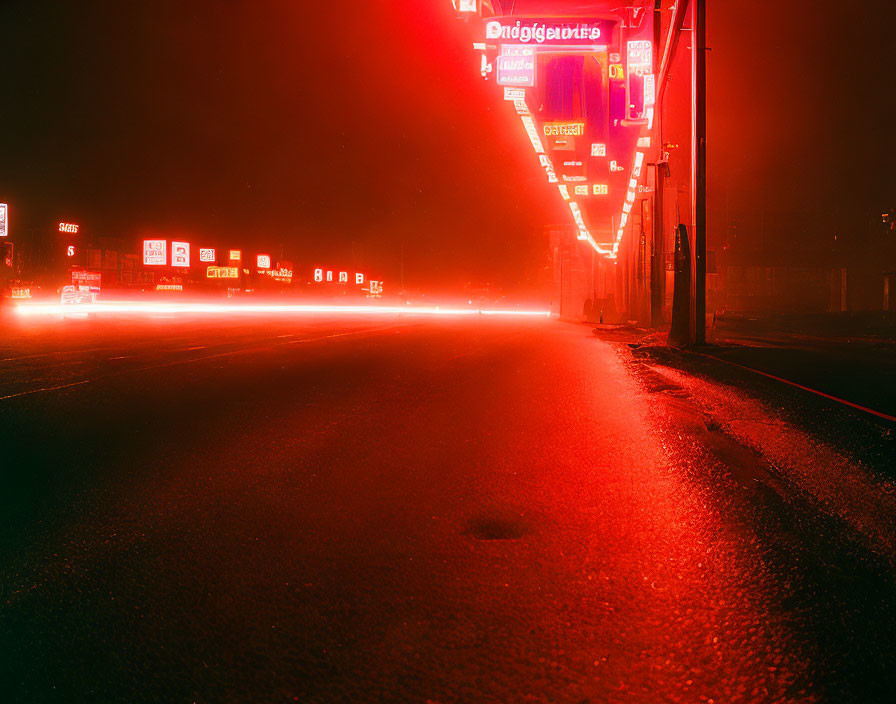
(426, 511)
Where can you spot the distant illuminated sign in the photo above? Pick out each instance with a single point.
(564, 129)
(545, 32)
(20, 292)
(222, 272)
(516, 66)
(514, 94)
(180, 254)
(329, 276)
(581, 190)
(70, 252)
(169, 287)
(263, 261)
(343, 277)
(359, 279)
(598, 150)
(207, 255)
(640, 57)
(87, 280)
(235, 255)
(4, 219)
(283, 274)
(601, 189)
(155, 252)
(318, 275)
(465, 5)
(68, 227)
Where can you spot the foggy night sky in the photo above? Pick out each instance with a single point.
(318, 124)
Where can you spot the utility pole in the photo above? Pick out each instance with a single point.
(698, 171)
(657, 257)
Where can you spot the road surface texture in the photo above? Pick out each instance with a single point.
(420, 510)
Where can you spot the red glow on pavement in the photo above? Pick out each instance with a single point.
(107, 307)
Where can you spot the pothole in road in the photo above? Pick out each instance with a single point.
(496, 527)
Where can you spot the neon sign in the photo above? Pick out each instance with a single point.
(318, 275)
(207, 255)
(359, 279)
(70, 252)
(235, 255)
(598, 150)
(4, 219)
(155, 252)
(564, 129)
(516, 66)
(69, 227)
(601, 189)
(263, 261)
(535, 31)
(222, 272)
(180, 254)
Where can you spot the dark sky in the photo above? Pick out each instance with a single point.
(318, 124)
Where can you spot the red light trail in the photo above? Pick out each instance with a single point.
(106, 307)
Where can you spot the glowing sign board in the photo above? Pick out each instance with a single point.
(514, 94)
(547, 32)
(263, 261)
(359, 279)
(180, 254)
(598, 150)
(4, 219)
(222, 272)
(207, 255)
(343, 277)
(640, 57)
(516, 66)
(318, 275)
(169, 287)
(565, 129)
(329, 276)
(155, 252)
(70, 252)
(68, 227)
(601, 189)
(235, 255)
(465, 5)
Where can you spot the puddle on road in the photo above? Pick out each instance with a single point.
(496, 525)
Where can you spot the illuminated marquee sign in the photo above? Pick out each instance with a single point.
(207, 255)
(283, 274)
(68, 227)
(222, 272)
(516, 66)
(155, 252)
(180, 254)
(564, 129)
(4, 219)
(263, 261)
(546, 32)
